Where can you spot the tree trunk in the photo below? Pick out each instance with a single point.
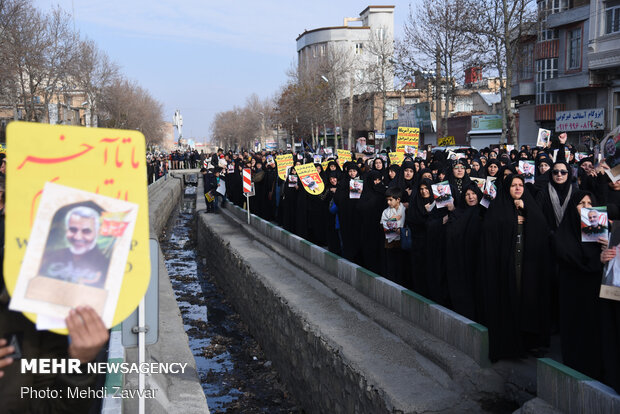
(350, 137)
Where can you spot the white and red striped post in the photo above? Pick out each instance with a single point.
(247, 187)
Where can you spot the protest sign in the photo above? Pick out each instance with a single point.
(442, 194)
(356, 186)
(610, 284)
(77, 249)
(284, 162)
(102, 161)
(407, 140)
(310, 178)
(593, 224)
(543, 137)
(396, 157)
(527, 168)
(343, 156)
(317, 159)
(580, 156)
(489, 193)
(445, 141)
(292, 180)
(325, 164)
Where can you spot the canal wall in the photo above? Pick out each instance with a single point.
(337, 349)
(175, 393)
(547, 387)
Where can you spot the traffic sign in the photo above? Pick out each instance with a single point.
(247, 180)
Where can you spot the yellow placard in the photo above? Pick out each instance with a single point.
(324, 164)
(343, 156)
(407, 140)
(103, 161)
(283, 162)
(310, 178)
(2, 149)
(396, 157)
(445, 141)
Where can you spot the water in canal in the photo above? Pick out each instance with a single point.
(234, 373)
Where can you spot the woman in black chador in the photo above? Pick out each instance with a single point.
(348, 216)
(370, 207)
(463, 251)
(332, 224)
(514, 266)
(288, 204)
(422, 217)
(580, 271)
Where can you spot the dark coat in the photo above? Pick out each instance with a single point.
(517, 318)
(580, 272)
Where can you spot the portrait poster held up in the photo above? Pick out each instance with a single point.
(543, 137)
(610, 284)
(594, 224)
(442, 194)
(489, 193)
(356, 186)
(527, 168)
(610, 150)
(102, 162)
(310, 178)
(77, 249)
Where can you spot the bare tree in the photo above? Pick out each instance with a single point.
(380, 71)
(92, 72)
(38, 50)
(495, 28)
(9, 11)
(434, 42)
(125, 105)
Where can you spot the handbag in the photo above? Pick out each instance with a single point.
(405, 238)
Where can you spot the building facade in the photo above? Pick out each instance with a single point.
(352, 42)
(571, 63)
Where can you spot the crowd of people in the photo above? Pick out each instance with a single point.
(508, 256)
(159, 163)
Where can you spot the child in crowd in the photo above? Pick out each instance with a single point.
(392, 220)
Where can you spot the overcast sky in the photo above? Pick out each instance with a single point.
(204, 56)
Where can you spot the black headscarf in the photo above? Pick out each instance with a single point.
(457, 185)
(400, 181)
(562, 189)
(493, 161)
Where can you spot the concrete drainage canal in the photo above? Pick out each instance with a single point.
(234, 373)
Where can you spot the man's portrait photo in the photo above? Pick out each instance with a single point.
(71, 253)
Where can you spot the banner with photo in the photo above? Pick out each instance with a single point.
(99, 161)
(407, 140)
(284, 162)
(310, 178)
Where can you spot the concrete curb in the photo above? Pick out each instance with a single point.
(467, 336)
(572, 392)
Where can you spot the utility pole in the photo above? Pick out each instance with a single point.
(438, 93)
